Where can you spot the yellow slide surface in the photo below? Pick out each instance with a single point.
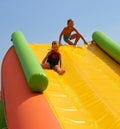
(87, 96)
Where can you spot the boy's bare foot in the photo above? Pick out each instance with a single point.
(86, 43)
(93, 42)
(61, 72)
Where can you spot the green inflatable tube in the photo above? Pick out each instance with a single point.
(2, 116)
(36, 78)
(107, 44)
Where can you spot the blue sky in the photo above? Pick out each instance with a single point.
(41, 21)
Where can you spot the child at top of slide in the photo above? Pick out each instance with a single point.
(68, 36)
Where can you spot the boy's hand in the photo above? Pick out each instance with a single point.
(85, 43)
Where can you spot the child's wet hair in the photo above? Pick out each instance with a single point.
(54, 42)
(69, 20)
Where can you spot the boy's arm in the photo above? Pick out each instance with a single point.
(80, 35)
(60, 61)
(83, 39)
(60, 37)
(45, 58)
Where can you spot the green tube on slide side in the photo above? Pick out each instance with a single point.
(36, 78)
(107, 44)
(2, 116)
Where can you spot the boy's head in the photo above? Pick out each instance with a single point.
(70, 22)
(55, 45)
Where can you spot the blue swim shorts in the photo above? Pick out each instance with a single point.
(66, 38)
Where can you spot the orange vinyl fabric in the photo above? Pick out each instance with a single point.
(24, 108)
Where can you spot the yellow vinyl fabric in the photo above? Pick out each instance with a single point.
(87, 96)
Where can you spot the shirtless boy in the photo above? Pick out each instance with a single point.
(68, 36)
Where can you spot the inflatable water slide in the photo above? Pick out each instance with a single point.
(87, 96)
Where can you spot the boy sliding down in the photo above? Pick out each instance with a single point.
(53, 59)
(68, 36)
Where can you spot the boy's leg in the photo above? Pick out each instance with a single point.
(76, 37)
(58, 69)
(45, 65)
(69, 42)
